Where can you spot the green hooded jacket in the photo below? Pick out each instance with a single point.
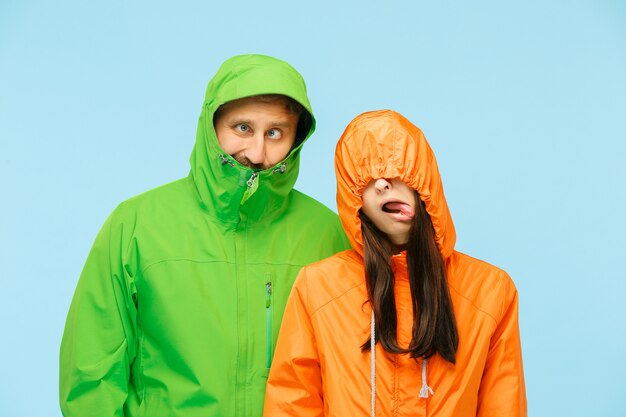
(178, 307)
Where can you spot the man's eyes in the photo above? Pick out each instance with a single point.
(274, 134)
(242, 127)
(271, 133)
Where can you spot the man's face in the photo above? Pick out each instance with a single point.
(257, 133)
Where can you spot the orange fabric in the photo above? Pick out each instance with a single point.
(318, 367)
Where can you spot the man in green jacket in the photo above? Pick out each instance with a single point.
(179, 304)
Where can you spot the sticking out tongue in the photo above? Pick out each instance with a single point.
(400, 211)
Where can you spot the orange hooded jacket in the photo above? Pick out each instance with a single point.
(319, 368)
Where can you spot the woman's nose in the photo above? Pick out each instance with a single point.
(381, 185)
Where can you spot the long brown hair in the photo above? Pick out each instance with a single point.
(434, 324)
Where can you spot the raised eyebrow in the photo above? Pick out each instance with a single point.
(236, 122)
(281, 124)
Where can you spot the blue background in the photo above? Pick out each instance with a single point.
(523, 102)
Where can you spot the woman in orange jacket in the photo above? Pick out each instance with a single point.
(402, 324)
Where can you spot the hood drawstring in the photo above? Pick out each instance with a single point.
(425, 388)
(423, 391)
(373, 362)
(280, 168)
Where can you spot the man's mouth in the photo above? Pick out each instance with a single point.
(246, 162)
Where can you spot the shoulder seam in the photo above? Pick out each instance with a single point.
(473, 304)
(336, 297)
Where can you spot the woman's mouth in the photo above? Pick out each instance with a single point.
(399, 210)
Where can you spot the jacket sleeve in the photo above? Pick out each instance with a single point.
(295, 383)
(502, 390)
(98, 343)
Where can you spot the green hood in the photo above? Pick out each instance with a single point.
(220, 180)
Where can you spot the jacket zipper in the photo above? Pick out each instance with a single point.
(251, 186)
(268, 324)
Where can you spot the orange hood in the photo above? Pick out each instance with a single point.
(384, 144)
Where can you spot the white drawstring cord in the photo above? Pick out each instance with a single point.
(425, 388)
(373, 363)
(423, 391)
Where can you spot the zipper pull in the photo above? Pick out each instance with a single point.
(269, 332)
(225, 160)
(268, 294)
(252, 185)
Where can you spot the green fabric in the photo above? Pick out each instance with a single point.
(180, 301)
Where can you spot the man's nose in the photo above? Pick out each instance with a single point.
(256, 150)
(381, 185)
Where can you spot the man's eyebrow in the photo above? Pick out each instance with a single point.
(240, 121)
(283, 124)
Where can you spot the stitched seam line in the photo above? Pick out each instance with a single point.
(474, 304)
(219, 261)
(335, 298)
